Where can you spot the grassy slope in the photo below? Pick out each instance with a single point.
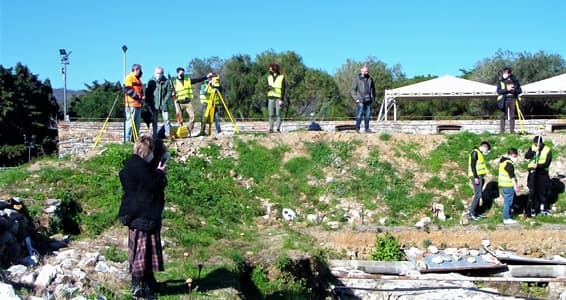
(214, 208)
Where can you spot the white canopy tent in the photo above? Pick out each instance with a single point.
(441, 87)
(548, 87)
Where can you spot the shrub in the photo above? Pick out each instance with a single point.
(387, 248)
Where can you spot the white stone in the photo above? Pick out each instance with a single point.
(65, 290)
(89, 259)
(485, 243)
(28, 279)
(333, 224)
(288, 214)
(17, 270)
(50, 209)
(46, 275)
(423, 222)
(67, 254)
(53, 202)
(312, 218)
(432, 249)
(7, 292)
(78, 274)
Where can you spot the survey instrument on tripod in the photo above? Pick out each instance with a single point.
(214, 98)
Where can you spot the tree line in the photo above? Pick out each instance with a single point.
(28, 109)
(315, 92)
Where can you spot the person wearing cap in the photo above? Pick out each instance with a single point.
(133, 88)
(183, 95)
(508, 91)
(477, 169)
(538, 181)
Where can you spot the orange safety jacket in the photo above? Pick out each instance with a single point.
(135, 84)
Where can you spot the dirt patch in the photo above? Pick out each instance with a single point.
(544, 241)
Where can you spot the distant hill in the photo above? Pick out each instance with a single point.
(58, 94)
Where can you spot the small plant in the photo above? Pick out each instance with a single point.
(385, 137)
(427, 243)
(387, 248)
(115, 255)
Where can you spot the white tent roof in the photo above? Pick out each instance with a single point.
(551, 86)
(445, 86)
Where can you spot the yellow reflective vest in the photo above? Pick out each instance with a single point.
(481, 167)
(543, 154)
(275, 86)
(504, 180)
(205, 93)
(183, 90)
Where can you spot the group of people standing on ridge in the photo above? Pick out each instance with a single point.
(160, 90)
(539, 156)
(157, 96)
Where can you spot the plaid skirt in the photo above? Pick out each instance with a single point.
(144, 252)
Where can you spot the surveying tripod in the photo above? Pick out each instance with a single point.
(209, 113)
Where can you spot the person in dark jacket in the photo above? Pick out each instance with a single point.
(363, 92)
(143, 181)
(508, 90)
(158, 95)
(538, 181)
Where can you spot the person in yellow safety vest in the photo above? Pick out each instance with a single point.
(183, 95)
(133, 88)
(508, 91)
(507, 181)
(275, 95)
(538, 181)
(477, 169)
(206, 91)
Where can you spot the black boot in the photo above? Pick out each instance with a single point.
(138, 289)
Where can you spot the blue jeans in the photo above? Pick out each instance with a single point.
(508, 195)
(366, 110)
(216, 119)
(135, 113)
(166, 124)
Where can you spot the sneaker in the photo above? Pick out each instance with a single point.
(368, 131)
(481, 216)
(357, 131)
(471, 217)
(139, 290)
(509, 222)
(546, 213)
(270, 130)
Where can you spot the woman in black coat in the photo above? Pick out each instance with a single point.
(143, 182)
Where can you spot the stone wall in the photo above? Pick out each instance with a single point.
(80, 137)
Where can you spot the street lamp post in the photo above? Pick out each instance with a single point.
(64, 62)
(124, 49)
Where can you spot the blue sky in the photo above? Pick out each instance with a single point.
(425, 37)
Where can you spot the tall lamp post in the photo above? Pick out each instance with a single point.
(124, 49)
(64, 62)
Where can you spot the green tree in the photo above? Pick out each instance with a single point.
(98, 101)
(28, 113)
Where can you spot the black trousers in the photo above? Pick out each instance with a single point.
(538, 184)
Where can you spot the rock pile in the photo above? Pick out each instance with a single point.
(15, 229)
